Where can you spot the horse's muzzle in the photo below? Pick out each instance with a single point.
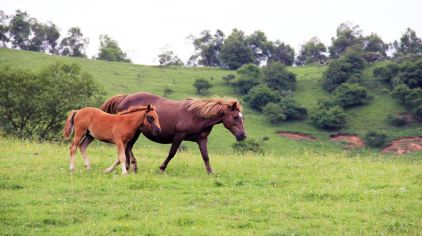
(240, 136)
(156, 131)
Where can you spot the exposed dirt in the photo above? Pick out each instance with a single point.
(297, 136)
(351, 140)
(404, 145)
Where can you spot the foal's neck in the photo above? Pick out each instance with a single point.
(136, 116)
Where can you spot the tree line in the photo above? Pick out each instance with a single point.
(21, 31)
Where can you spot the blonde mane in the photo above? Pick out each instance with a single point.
(134, 109)
(211, 107)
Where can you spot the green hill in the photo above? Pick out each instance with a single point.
(123, 78)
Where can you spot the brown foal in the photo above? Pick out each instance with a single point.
(89, 123)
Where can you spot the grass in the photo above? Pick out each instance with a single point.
(307, 194)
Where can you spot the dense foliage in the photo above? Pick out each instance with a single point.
(375, 139)
(248, 146)
(329, 115)
(34, 105)
(349, 95)
(202, 86)
(110, 50)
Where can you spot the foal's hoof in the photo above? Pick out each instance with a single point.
(72, 170)
(108, 171)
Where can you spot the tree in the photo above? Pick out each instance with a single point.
(374, 43)
(207, 49)
(347, 35)
(312, 52)
(235, 51)
(282, 52)
(4, 29)
(34, 105)
(110, 50)
(278, 78)
(202, 86)
(409, 44)
(167, 58)
(52, 35)
(20, 30)
(261, 47)
(74, 44)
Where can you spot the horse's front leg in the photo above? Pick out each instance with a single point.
(174, 146)
(202, 143)
(121, 147)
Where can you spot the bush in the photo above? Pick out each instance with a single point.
(418, 112)
(346, 69)
(248, 145)
(167, 91)
(229, 78)
(348, 95)
(332, 117)
(278, 78)
(375, 139)
(248, 77)
(260, 96)
(34, 105)
(202, 86)
(397, 120)
(411, 74)
(387, 72)
(285, 110)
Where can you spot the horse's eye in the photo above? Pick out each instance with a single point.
(150, 119)
(236, 118)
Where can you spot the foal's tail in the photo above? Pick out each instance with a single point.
(110, 106)
(68, 127)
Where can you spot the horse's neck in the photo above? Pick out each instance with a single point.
(213, 121)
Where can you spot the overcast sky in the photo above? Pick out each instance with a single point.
(143, 28)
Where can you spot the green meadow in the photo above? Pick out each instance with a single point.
(296, 188)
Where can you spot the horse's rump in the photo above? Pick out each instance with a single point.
(68, 127)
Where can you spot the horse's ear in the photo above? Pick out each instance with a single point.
(149, 108)
(232, 107)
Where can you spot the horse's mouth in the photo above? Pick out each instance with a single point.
(240, 137)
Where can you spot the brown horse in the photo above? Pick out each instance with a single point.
(190, 120)
(90, 123)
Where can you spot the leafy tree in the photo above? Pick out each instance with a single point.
(51, 37)
(259, 96)
(235, 51)
(282, 52)
(167, 58)
(312, 52)
(409, 43)
(349, 95)
(34, 105)
(110, 50)
(249, 76)
(4, 29)
(202, 86)
(278, 78)
(74, 44)
(374, 43)
(207, 49)
(347, 35)
(20, 30)
(260, 46)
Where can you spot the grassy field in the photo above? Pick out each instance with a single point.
(307, 194)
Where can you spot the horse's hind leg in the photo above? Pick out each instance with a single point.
(130, 158)
(73, 147)
(83, 146)
(111, 168)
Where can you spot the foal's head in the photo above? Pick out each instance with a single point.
(233, 121)
(151, 120)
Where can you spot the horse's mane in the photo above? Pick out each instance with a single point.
(212, 107)
(134, 109)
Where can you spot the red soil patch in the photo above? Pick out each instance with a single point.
(297, 136)
(351, 140)
(404, 145)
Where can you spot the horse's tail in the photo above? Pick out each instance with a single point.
(68, 127)
(110, 106)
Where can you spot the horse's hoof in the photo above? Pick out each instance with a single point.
(108, 171)
(72, 171)
(162, 170)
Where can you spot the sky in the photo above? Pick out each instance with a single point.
(144, 28)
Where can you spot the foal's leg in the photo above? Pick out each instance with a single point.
(204, 152)
(174, 146)
(111, 168)
(122, 157)
(73, 147)
(83, 146)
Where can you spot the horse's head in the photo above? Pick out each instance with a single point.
(233, 121)
(151, 120)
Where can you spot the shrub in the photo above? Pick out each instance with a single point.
(375, 139)
(167, 91)
(397, 120)
(248, 145)
(202, 86)
(34, 105)
(278, 78)
(411, 74)
(418, 112)
(387, 72)
(284, 110)
(348, 95)
(329, 117)
(229, 78)
(260, 96)
(248, 77)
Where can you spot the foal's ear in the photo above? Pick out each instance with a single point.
(149, 108)
(232, 107)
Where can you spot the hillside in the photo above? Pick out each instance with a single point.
(118, 78)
